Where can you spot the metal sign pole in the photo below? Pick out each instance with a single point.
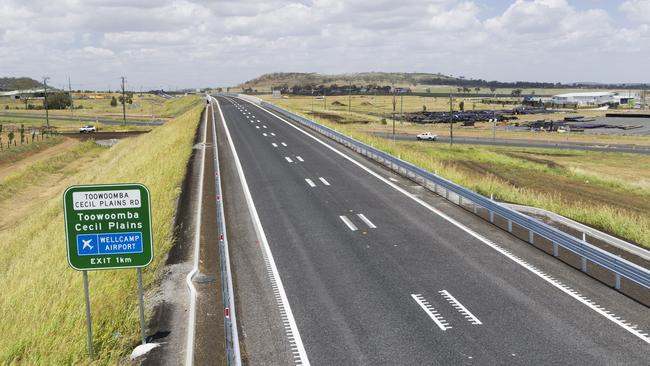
(142, 332)
(91, 351)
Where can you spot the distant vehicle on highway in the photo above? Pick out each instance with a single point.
(427, 136)
(88, 129)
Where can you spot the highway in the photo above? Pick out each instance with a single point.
(82, 119)
(538, 144)
(363, 272)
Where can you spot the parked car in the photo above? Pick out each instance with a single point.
(88, 129)
(427, 136)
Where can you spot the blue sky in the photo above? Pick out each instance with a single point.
(197, 43)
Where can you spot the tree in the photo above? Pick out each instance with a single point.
(516, 93)
(113, 102)
(477, 89)
(493, 89)
(22, 134)
(58, 100)
(10, 136)
(128, 96)
(461, 106)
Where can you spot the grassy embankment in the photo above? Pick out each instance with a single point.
(608, 191)
(368, 112)
(42, 307)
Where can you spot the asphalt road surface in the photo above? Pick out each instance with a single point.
(84, 119)
(622, 148)
(365, 274)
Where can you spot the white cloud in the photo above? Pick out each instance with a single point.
(637, 10)
(206, 42)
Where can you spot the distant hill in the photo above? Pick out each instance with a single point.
(7, 84)
(302, 83)
(278, 79)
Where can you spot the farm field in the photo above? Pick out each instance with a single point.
(98, 108)
(608, 191)
(51, 329)
(373, 114)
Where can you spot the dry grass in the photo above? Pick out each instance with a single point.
(42, 307)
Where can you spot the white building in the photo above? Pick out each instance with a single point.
(589, 98)
(595, 98)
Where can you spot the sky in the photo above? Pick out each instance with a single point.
(174, 44)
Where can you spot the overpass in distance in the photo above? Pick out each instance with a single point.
(338, 261)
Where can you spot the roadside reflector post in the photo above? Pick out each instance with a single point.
(555, 250)
(583, 264)
(492, 217)
(617, 284)
(530, 236)
(510, 226)
(89, 321)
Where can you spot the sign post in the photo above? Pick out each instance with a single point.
(108, 227)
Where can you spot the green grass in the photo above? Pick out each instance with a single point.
(42, 307)
(582, 185)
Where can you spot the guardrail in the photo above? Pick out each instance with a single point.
(462, 196)
(227, 293)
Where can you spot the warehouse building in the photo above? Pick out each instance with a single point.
(595, 98)
(590, 98)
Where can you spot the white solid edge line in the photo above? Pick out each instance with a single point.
(310, 182)
(367, 221)
(324, 181)
(349, 223)
(265, 244)
(462, 308)
(574, 294)
(429, 313)
(189, 353)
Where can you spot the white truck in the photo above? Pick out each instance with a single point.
(88, 129)
(427, 136)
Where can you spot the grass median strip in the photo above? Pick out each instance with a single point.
(42, 308)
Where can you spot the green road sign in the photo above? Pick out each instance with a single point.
(108, 226)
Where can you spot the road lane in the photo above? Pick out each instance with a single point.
(351, 290)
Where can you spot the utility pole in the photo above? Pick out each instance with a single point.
(312, 100)
(350, 96)
(123, 101)
(47, 115)
(451, 120)
(401, 105)
(394, 102)
(71, 102)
